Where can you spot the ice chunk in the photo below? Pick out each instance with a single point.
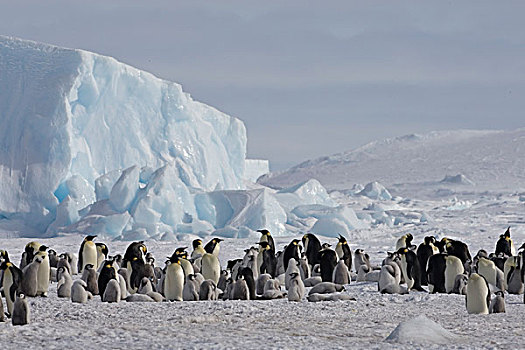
(255, 168)
(458, 179)
(124, 191)
(421, 330)
(375, 190)
(330, 219)
(105, 183)
(308, 192)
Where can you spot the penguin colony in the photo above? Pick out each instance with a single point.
(442, 266)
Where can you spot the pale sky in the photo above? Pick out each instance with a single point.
(310, 78)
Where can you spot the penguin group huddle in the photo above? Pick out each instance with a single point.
(443, 266)
(446, 266)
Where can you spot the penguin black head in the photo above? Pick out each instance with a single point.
(103, 248)
(342, 240)
(217, 240)
(4, 255)
(90, 238)
(89, 266)
(181, 252)
(196, 243)
(264, 245)
(294, 274)
(507, 233)
(500, 293)
(42, 248)
(5, 265)
(174, 259)
(51, 252)
(264, 232)
(326, 246)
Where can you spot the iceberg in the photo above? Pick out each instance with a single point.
(73, 120)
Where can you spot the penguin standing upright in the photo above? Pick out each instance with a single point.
(21, 313)
(174, 280)
(30, 277)
(296, 289)
(410, 269)
(327, 264)
(135, 258)
(487, 269)
(291, 251)
(341, 275)
(11, 283)
(43, 277)
(478, 295)
(102, 253)
(210, 267)
(266, 238)
(453, 267)
(504, 245)
(312, 248)
(89, 275)
(30, 251)
(497, 304)
(198, 249)
(53, 258)
(436, 273)
(213, 246)
(107, 273)
(269, 260)
(87, 253)
(424, 252)
(343, 252)
(405, 241)
(184, 262)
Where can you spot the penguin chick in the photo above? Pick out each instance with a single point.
(261, 281)
(208, 290)
(21, 313)
(139, 298)
(326, 288)
(190, 291)
(240, 290)
(145, 286)
(112, 292)
(460, 284)
(296, 288)
(64, 285)
(89, 275)
(329, 297)
(30, 277)
(312, 281)
(292, 268)
(497, 304)
(79, 292)
(341, 275)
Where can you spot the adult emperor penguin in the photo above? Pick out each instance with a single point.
(198, 249)
(512, 282)
(213, 246)
(269, 260)
(436, 273)
(134, 261)
(266, 236)
(505, 245)
(343, 251)
(292, 250)
(312, 247)
(478, 295)
(410, 268)
(107, 273)
(30, 250)
(405, 241)
(87, 253)
(327, 264)
(456, 248)
(43, 277)
(487, 269)
(266, 242)
(424, 252)
(174, 280)
(21, 314)
(11, 283)
(453, 267)
(102, 253)
(187, 266)
(210, 267)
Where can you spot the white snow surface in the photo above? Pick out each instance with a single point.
(71, 113)
(421, 330)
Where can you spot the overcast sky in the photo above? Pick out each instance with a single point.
(310, 78)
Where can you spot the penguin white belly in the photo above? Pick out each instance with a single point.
(100, 260)
(89, 254)
(8, 281)
(187, 267)
(453, 267)
(477, 292)
(174, 282)
(487, 269)
(259, 261)
(210, 267)
(339, 250)
(408, 281)
(43, 275)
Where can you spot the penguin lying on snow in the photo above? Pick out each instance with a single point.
(329, 297)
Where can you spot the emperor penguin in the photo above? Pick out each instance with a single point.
(145, 286)
(191, 289)
(269, 244)
(457, 248)
(292, 268)
(453, 267)
(512, 275)
(343, 251)
(2, 314)
(505, 245)
(327, 264)
(292, 250)
(213, 246)
(107, 273)
(210, 267)
(361, 259)
(296, 290)
(134, 261)
(198, 249)
(43, 276)
(266, 236)
(460, 285)
(89, 275)
(21, 313)
(53, 258)
(436, 273)
(312, 247)
(174, 280)
(102, 253)
(478, 295)
(269, 260)
(261, 281)
(223, 278)
(497, 304)
(30, 250)
(405, 241)
(112, 292)
(30, 277)
(341, 274)
(247, 274)
(326, 288)
(240, 289)
(410, 268)
(304, 267)
(87, 253)
(208, 290)
(65, 282)
(390, 274)
(11, 283)
(184, 262)
(252, 265)
(424, 252)
(487, 269)
(79, 293)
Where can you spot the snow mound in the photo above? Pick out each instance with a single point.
(75, 114)
(458, 179)
(421, 330)
(375, 190)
